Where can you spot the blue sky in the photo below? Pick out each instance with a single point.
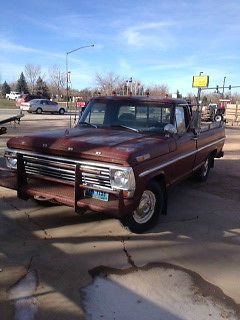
(157, 42)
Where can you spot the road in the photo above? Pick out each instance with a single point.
(4, 113)
(9, 112)
(52, 253)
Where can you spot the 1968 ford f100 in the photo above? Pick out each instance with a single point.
(119, 159)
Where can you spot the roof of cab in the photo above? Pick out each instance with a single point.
(142, 99)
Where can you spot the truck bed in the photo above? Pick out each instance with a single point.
(208, 125)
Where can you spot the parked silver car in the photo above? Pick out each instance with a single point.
(42, 105)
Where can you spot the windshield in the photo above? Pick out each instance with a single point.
(138, 116)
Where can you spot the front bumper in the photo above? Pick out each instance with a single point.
(24, 108)
(68, 195)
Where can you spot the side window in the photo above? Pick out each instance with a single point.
(180, 120)
(160, 114)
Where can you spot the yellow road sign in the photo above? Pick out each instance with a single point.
(200, 81)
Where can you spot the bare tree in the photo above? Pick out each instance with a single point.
(57, 79)
(159, 90)
(107, 83)
(86, 93)
(32, 73)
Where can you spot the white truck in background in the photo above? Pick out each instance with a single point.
(13, 95)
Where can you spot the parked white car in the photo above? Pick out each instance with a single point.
(13, 95)
(42, 105)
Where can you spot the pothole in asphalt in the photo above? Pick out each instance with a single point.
(155, 292)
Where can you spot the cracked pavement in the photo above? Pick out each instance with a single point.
(200, 233)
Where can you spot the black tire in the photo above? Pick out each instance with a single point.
(218, 118)
(139, 221)
(203, 173)
(80, 211)
(39, 110)
(61, 111)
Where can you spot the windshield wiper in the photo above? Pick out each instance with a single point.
(87, 124)
(123, 126)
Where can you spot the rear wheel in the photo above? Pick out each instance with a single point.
(152, 204)
(218, 118)
(39, 110)
(203, 172)
(61, 111)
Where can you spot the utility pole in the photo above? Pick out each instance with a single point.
(223, 86)
(127, 86)
(130, 81)
(199, 109)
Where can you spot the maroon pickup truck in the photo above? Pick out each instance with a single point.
(119, 159)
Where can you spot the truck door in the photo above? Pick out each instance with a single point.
(184, 155)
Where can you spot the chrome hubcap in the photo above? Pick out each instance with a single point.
(146, 207)
(205, 167)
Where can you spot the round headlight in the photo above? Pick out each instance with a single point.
(120, 178)
(11, 163)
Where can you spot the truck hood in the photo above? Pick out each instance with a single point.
(108, 145)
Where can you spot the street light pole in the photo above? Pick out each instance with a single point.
(67, 73)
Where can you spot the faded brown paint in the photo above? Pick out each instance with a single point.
(117, 146)
(121, 147)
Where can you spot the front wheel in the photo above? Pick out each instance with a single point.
(152, 204)
(39, 110)
(61, 111)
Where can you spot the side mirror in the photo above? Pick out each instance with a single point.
(170, 129)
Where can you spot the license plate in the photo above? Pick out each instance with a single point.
(96, 194)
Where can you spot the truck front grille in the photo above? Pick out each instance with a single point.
(93, 174)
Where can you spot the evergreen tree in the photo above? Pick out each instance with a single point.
(5, 89)
(42, 88)
(179, 96)
(22, 84)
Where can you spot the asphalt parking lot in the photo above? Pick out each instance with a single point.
(52, 253)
